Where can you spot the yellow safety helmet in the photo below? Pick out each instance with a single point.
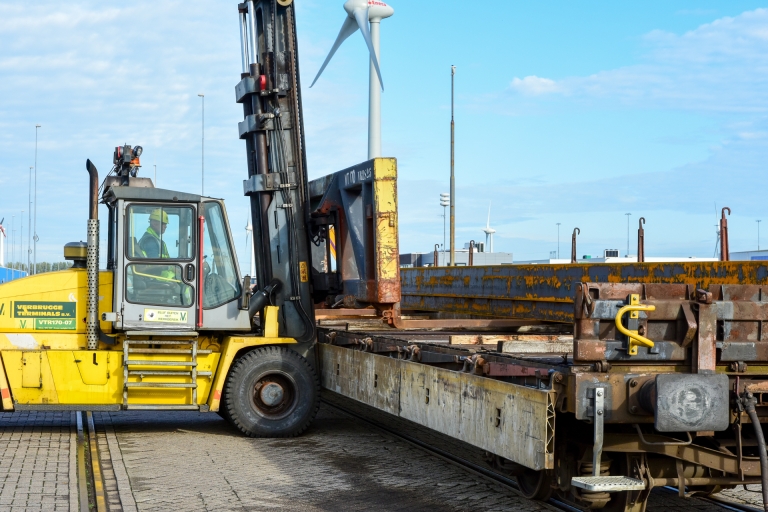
(156, 215)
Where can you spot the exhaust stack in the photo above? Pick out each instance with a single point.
(92, 261)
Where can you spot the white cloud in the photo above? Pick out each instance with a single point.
(534, 85)
(718, 67)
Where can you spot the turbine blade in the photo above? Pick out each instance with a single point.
(347, 29)
(488, 224)
(361, 15)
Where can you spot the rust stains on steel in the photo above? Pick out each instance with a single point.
(546, 292)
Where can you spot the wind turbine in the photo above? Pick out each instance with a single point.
(359, 13)
(2, 243)
(489, 231)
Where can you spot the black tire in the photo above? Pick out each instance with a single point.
(223, 409)
(271, 392)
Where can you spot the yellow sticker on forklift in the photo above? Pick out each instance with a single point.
(303, 271)
(165, 315)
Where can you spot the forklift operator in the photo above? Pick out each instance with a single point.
(152, 244)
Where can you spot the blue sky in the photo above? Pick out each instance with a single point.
(566, 112)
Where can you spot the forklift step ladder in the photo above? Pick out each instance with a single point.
(140, 344)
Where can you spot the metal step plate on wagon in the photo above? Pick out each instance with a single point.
(607, 483)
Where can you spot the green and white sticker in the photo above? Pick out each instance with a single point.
(28, 309)
(62, 324)
(46, 316)
(165, 315)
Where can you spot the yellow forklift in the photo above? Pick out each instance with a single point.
(171, 324)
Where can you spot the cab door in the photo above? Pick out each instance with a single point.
(159, 270)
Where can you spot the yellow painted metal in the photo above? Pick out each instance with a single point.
(387, 255)
(96, 377)
(271, 325)
(45, 393)
(232, 345)
(55, 291)
(5, 391)
(49, 366)
(31, 376)
(75, 252)
(632, 335)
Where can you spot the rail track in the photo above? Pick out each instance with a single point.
(501, 479)
(90, 477)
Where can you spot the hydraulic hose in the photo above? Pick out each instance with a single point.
(262, 298)
(749, 402)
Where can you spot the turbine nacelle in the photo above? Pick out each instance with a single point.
(359, 13)
(376, 10)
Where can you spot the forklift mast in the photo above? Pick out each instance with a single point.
(270, 93)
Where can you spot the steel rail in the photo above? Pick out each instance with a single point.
(90, 484)
(721, 502)
(730, 505)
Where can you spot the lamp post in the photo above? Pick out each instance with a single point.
(29, 224)
(21, 235)
(13, 239)
(34, 229)
(627, 214)
(453, 180)
(155, 165)
(445, 200)
(558, 240)
(758, 234)
(202, 158)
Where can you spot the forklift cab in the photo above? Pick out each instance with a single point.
(162, 246)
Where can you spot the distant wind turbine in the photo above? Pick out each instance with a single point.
(2, 243)
(489, 231)
(359, 13)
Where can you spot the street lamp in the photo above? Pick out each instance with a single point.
(34, 229)
(627, 214)
(445, 200)
(558, 240)
(453, 181)
(21, 234)
(202, 158)
(758, 234)
(13, 239)
(29, 223)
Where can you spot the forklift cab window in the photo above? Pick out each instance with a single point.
(221, 283)
(159, 232)
(156, 236)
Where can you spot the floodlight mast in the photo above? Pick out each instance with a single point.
(453, 180)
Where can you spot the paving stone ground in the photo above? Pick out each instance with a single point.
(37, 452)
(197, 462)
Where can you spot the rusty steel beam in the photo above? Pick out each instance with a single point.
(546, 292)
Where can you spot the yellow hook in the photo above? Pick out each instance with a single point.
(634, 338)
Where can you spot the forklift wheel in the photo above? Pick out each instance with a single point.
(271, 392)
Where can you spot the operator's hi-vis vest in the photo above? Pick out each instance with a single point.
(152, 246)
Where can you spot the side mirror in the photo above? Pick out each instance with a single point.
(245, 298)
